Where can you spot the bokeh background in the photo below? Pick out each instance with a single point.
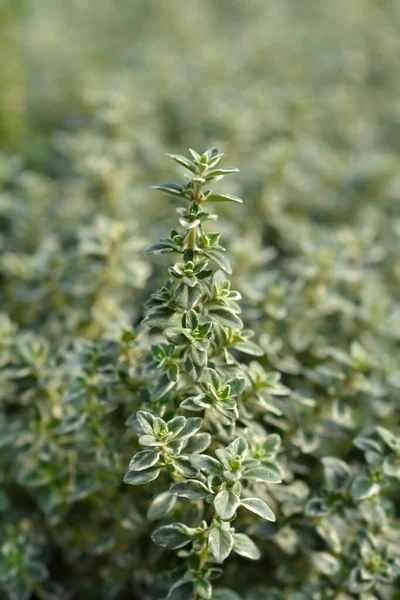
(304, 97)
(241, 72)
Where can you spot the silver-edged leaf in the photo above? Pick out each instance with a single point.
(259, 507)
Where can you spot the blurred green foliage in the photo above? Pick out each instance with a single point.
(303, 97)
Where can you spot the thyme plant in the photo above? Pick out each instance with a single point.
(316, 256)
(209, 473)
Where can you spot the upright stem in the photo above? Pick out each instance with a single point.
(192, 239)
(204, 556)
(192, 235)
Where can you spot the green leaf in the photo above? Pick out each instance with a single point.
(360, 581)
(195, 155)
(161, 505)
(161, 247)
(239, 447)
(176, 425)
(176, 535)
(144, 459)
(193, 424)
(368, 445)
(363, 488)
(337, 473)
(267, 473)
(245, 546)
(212, 378)
(178, 335)
(185, 162)
(226, 318)
(248, 347)
(190, 404)
(191, 320)
(389, 439)
(272, 443)
(175, 446)
(391, 466)
(192, 489)
(197, 443)
(198, 355)
(189, 223)
(183, 466)
(224, 198)
(146, 421)
(218, 172)
(159, 317)
(175, 189)
(226, 503)
(149, 440)
(316, 507)
(163, 387)
(187, 297)
(182, 590)
(141, 477)
(237, 385)
(325, 563)
(203, 589)
(173, 373)
(195, 371)
(220, 543)
(214, 573)
(205, 329)
(207, 463)
(259, 507)
(219, 258)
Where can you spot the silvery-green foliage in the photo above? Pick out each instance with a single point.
(304, 98)
(194, 366)
(75, 263)
(333, 333)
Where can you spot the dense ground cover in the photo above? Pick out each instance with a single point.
(303, 98)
